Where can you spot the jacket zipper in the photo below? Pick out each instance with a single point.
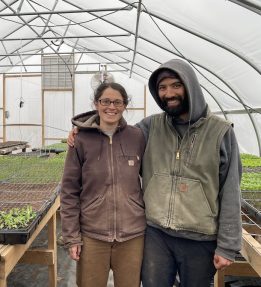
(114, 193)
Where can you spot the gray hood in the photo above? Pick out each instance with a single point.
(197, 103)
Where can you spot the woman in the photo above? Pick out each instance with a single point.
(102, 210)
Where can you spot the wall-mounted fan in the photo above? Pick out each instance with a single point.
(101, 77)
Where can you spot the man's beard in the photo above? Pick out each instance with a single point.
(180, 109)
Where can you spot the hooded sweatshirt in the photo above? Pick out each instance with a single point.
(101, 194)
(227, 209)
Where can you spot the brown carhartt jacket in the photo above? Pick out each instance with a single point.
(101, 195)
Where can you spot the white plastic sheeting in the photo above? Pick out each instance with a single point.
(221, 39)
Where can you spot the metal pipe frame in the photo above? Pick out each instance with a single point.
(15, 14)
(248, 4)
(136, 36)
(256, 214)
(240, 111)
(67, 64)
(204, 37)
(64, 53)
(64, 37)
(27, 24)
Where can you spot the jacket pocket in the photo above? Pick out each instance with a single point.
(191, 209)
(132, 214)
(94, 202)
(94, 216)
(135, 203)
(157, 198)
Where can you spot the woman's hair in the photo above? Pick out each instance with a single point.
(102, 87)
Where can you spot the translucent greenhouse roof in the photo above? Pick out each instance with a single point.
(220, 39)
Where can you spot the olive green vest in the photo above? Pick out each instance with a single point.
(181, 176)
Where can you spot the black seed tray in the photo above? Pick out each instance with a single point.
(21, 236)
(18, 236)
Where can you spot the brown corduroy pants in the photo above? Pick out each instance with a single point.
(98, 257)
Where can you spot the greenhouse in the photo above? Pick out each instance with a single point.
(54, 54)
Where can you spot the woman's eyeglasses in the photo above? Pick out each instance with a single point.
(107, 102)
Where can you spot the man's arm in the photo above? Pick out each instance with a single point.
(230, 227)
(144, 125)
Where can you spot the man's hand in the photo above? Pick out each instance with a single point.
(70, 139)
(75, 252)
(221, 262)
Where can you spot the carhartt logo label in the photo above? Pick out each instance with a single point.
(183, 187)
(131, 162)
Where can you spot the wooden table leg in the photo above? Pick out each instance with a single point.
(219, 279)
(3, 283)
(52, 269)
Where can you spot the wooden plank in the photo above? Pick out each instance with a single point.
(251, 250)
(52, 269)
(8, 150)
(38, 256)
(240, 268)
(252, 228)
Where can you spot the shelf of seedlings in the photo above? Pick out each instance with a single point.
(251, 210)
(29, 185)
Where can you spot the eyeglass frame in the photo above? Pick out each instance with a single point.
(109, 102)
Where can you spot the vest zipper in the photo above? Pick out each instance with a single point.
(174, 179)
(177, 172)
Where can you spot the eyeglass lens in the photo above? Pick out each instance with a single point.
(107, 102)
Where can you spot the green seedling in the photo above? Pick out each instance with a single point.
(17, 218)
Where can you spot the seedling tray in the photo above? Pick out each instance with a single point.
(39, 196)
(18, 236)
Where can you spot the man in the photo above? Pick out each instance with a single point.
(191, 178)
(191, 182)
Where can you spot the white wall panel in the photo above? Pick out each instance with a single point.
(245, 134)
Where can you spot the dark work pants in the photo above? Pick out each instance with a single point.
(165, 256)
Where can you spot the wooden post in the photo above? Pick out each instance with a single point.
(43, 120)
(52, 269)
(219, 279)
(4, 108)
